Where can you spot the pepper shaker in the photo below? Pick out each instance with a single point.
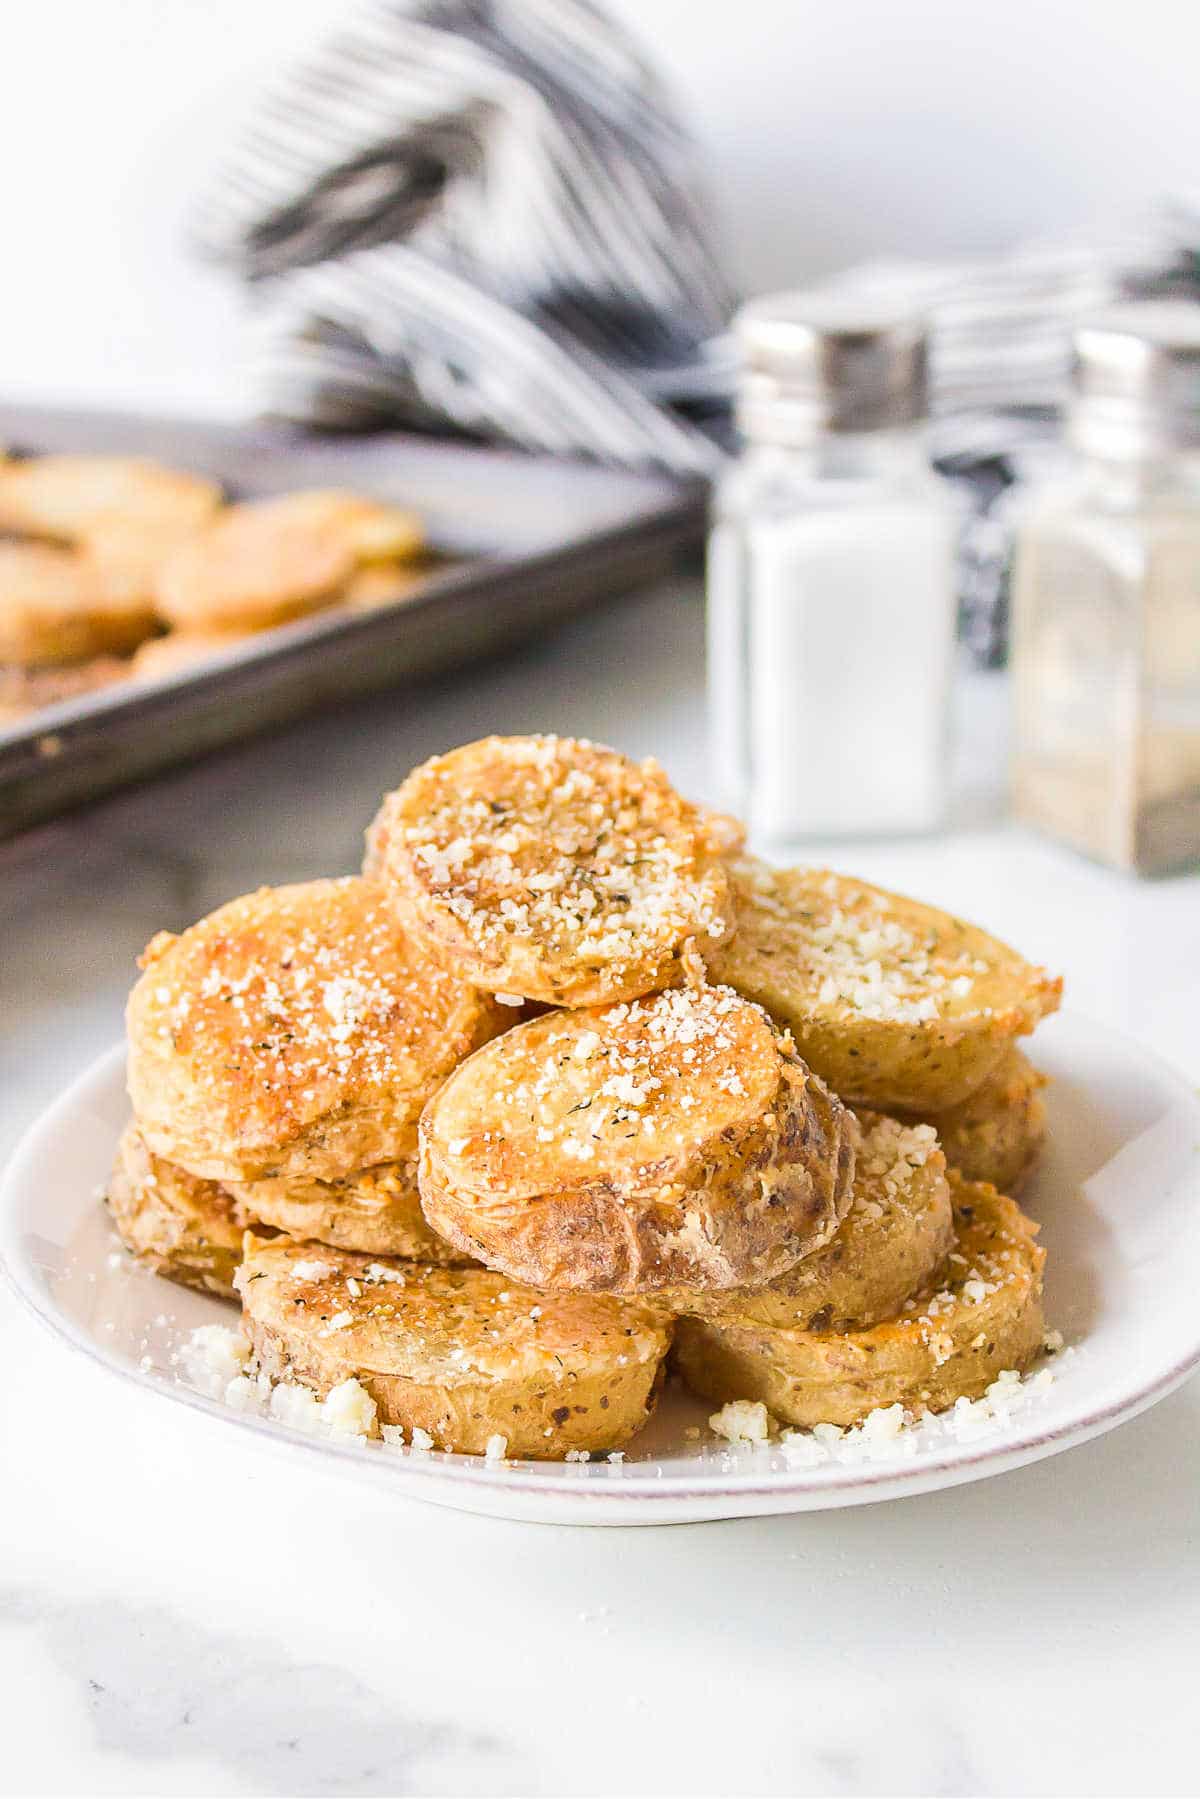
(1106, 602)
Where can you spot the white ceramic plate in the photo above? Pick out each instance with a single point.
(1119, 1200)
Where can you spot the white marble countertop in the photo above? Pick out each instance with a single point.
(184, 1612)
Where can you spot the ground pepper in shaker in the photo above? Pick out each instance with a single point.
(1106, 602)
(831, 580)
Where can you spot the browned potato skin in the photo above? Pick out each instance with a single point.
(464, 1354)
(997, 1133)
(890, 1245)
(587, 945)
(189, 1230)
(838, 1377)
(733, 1196)
(376, 1211)
(921, 1066)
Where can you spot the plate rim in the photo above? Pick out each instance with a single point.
(716, 1494)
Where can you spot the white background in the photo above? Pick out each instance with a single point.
(830, 133)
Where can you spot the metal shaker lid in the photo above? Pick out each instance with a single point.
(814, 362)
(1136, 385)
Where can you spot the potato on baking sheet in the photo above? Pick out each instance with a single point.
(891, 1244)
(551, 869)
(64, 497)
(295, 1031)
(892, 1002)
(949, 1344)
(996, 1134)
(56, 609)
(376, 1210)
(373, 530)
(253, 566)
(461, 1353)
(180, 1226)
(675, 1139)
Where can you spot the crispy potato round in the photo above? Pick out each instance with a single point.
(295, 1031)
(375, 1210)
(55, 609)
(372, 530)
(459, 1352)
(252, 567)
(187, 1229)
(65, 497)
(996, 1134)
(550, 869)
(891, 1244)
(894, 1003)
(950, 1344)
(672, 1140)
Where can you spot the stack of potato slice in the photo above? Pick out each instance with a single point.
(564, 1080)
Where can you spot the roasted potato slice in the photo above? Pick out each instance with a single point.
(251, 567)
(893, 1242)
(376, 1210)
(372, 530)
(996, 1134)
(893, 1003)
(64, 497)
(461, 1353)
(56, 609)
(189, 1230)
(549, 868)
(295, 1031)
(675, 1139)
(950, 1344)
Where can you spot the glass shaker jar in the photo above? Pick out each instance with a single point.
(831, 581)
(1106, 602)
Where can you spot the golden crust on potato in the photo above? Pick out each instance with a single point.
(252, 567)
(892, 1243)
(550, 868)
(893, 1003)
(294, 1031)
(375, 1210)
(996, 1134)
(461, 1353)
(672, 1140)
(55, 609)
(64, 497)
(180, 1226)
(950, 1344)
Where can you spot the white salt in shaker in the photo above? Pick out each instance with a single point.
(831, 581)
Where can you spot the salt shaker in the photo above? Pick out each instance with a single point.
(831, 580)
(1106, 602)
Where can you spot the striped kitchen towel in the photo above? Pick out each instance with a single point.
(478, 215)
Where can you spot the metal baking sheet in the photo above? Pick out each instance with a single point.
(528, 541)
